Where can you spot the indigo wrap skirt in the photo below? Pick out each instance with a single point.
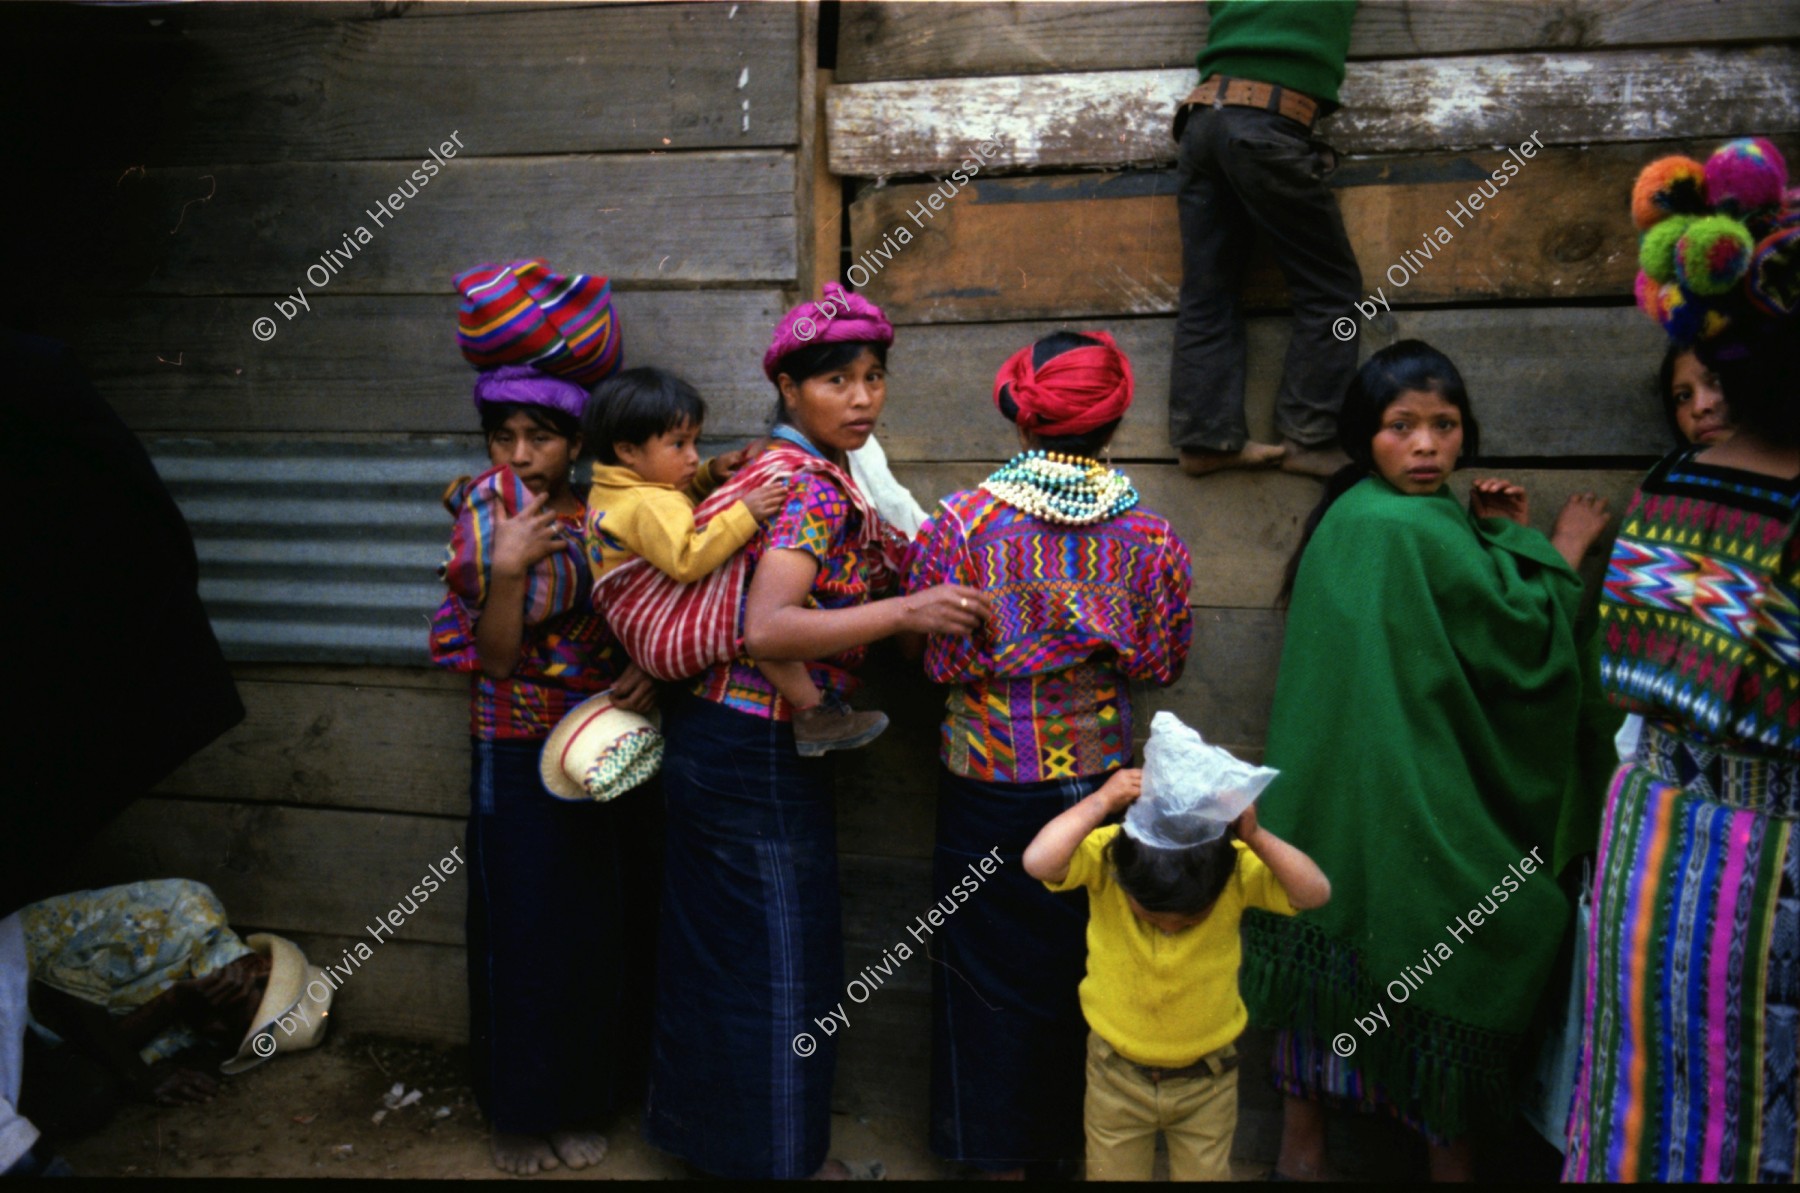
(1009, 1044)
(751, 951)
(561, 922)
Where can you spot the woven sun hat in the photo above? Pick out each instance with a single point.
(599, 751)
(295, 1003)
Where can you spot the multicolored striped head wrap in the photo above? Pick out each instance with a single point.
(1070, 393)
(520, 313)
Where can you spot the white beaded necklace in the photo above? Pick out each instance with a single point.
(1062, 489)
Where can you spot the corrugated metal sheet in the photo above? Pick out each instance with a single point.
(318, 552)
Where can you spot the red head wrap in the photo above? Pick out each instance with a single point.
(1072, 393)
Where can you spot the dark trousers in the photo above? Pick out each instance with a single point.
(561, 930)
(1247, 174)
(1008, 1038)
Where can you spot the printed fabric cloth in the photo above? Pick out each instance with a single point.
(1427, 710)
(857, 554)
(121, 946)
(566, 654)
(1691, 1030)
(1077, 613)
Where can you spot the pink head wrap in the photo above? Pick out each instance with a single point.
(1074, 391)
(837, 316)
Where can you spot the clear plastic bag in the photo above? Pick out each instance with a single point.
(1192, 790)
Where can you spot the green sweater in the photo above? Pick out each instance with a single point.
(1298, 44)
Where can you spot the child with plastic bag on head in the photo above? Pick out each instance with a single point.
(1165, 891)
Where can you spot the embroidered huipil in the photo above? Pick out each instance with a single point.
(1077, 612)
(566, 653)
(823, 520)
(1699, 611)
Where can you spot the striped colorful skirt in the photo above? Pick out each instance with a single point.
(1688, 1066)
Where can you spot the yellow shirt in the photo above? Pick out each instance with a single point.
(628, 517)
(1160, 1000)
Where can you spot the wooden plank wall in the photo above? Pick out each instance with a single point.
(196, 159)
(1073, 225)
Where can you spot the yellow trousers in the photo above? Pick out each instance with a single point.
(1126, 1107)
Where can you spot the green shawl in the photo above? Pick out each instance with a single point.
(1426, 727)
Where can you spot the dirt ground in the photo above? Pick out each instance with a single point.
(310, 1115)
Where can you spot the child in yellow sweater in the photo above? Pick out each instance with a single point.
(643, 425)
(1161, 994)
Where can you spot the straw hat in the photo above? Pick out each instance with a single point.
(291, 1016)
(599, 751)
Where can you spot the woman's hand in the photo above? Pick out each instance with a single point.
(1121, 790)
(634, 691)
(1495, 498)
(954, 609)
(526, 538)
(766, 502)
(1584, 518)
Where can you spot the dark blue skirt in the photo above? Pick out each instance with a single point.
(751, 951)
(1008, 1042)
(561, 921)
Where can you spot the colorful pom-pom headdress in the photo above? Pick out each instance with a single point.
(1720, 240)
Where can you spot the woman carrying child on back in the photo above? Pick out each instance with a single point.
(1427, 732)
(1166, 891)
(643, 425)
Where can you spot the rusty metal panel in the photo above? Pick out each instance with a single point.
(318, 552)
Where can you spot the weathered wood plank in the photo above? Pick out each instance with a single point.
(1106, 118)
(1538, 386)
(1240, 528)
(385, 364)
(899, 39)
(290, 869)
(659, 219)
(311, 84)
(337, 745)
(408, 988)
(1555, 228)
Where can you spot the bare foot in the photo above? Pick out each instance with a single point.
(578, 1149)
(1199, 461)
(523, 1155)
(1322, 460)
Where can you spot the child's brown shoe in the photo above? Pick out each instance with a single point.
(833, 725)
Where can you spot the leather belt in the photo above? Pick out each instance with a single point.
(1219, 91)
(1223, 1061)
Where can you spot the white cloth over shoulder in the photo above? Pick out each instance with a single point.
(894, 501)
(1192, 791)
(16, 1133)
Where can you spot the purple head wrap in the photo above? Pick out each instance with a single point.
(836, 317)
(528, 387)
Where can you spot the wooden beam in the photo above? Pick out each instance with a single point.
(291, 869)
(1108, 118)
(230, 84)
(185, 364)
(903, 39)
(1557, 227)
(1537, 384)
(655, 219)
